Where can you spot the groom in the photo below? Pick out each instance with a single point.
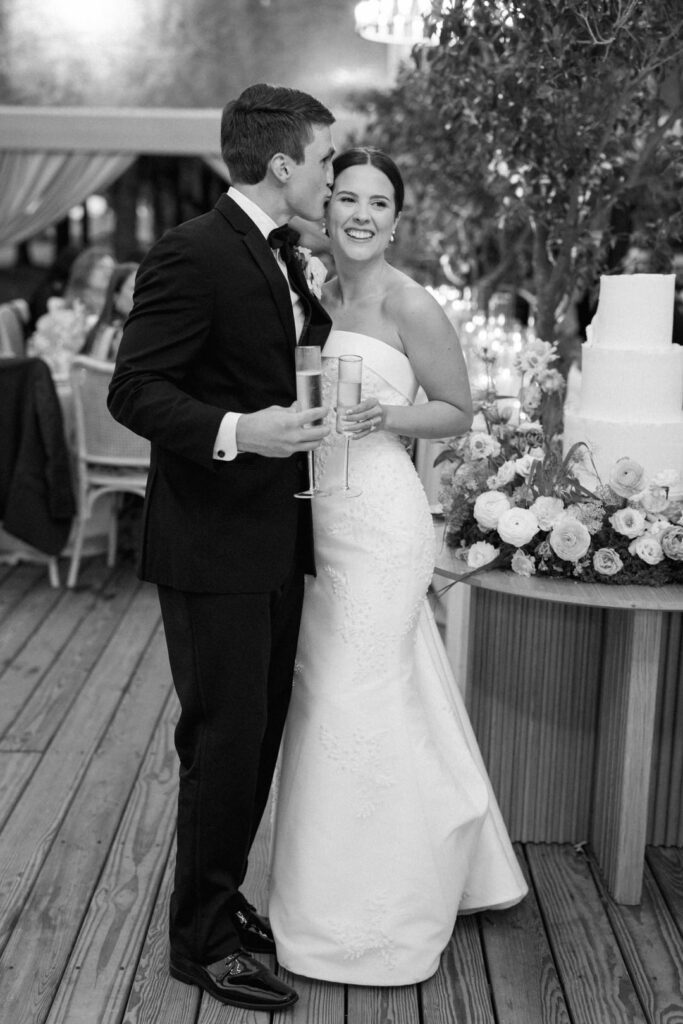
(205, 370)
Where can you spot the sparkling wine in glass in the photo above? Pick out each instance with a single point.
(349, 379)
(309, 395)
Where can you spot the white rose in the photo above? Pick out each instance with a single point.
(506, 474)
(488, 508)
(523, 465)
(547, 510)
(647, 548)
(517, 526)
(480, 554)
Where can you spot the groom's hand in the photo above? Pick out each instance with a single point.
(278, 432)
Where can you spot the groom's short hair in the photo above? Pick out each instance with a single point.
(264, 120)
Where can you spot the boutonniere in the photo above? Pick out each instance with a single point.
(314, 270)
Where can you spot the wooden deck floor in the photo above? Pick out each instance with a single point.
(87, 804)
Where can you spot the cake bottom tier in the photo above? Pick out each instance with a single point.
(658, 447)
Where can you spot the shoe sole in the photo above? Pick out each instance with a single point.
(189, 979)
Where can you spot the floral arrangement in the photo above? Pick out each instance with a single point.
(59, 335)
(314, 270)
(511, 500)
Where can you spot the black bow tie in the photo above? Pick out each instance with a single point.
(283, 238)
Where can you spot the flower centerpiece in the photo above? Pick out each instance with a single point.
(59, 335)
(512, 500)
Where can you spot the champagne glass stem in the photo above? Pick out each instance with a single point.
(311, 472)
(346, 462)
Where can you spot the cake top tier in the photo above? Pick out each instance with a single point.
(635, 311)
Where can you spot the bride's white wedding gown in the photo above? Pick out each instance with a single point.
(386, 825)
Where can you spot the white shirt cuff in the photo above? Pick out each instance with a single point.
(225, 448)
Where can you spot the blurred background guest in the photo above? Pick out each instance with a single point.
(102, 341)
(61, 332)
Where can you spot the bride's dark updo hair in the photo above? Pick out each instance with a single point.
(376, 158)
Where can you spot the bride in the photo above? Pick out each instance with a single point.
(386, 825)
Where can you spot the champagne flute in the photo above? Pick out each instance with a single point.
(309, 394)
(349, 379)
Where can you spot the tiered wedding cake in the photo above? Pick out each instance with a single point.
(631, 392)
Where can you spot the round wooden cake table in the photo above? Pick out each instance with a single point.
(569, 741)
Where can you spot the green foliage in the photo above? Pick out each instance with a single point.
(529, 122)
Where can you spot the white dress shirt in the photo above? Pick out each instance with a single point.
(225, 447)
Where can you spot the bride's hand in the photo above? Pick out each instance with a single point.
(364, 418)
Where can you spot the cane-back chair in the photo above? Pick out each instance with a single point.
(110, 458)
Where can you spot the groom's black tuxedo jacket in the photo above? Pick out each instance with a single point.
(212, 329)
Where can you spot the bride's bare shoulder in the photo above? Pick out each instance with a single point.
(405, 298)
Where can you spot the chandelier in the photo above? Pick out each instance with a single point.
(393, 21)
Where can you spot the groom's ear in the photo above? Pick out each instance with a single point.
(280, 166)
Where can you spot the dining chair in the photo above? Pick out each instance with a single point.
(111, 459)
(13, 315)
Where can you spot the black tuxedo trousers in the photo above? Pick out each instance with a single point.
(232, 660)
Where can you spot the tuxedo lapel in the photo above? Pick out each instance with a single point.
(318, 322)
(263, 255)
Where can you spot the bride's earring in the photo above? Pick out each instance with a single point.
(324, 229)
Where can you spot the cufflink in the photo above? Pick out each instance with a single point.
(220, 453)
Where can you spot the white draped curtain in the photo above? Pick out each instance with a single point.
(38, 189)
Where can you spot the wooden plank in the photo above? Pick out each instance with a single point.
(652, 947)
(382, 1005)
(22, 677)
(626, 728)
(524, 983)
(667, 867)
(30, 830)
(155, 998)
(22, 620)
(64, 886)
(591, 968)
(43, 713)
(665, 825)
(16, 581)
(104, 958)
(459, 993)
(15, 770)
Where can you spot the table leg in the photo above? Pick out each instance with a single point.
(625, 735)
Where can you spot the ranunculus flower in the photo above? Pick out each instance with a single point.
(488, 508)
(522, 564)
(629, 522)
(547, 510)
(606, 561)
(480, 554)
(654, 498)
(569, 539)
(517, 526)
(626, 477)
(482, 445)
(647, 548)
(666, 478)
(672, 543)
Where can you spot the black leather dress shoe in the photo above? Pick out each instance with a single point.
(253, 928)
(238, 980)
